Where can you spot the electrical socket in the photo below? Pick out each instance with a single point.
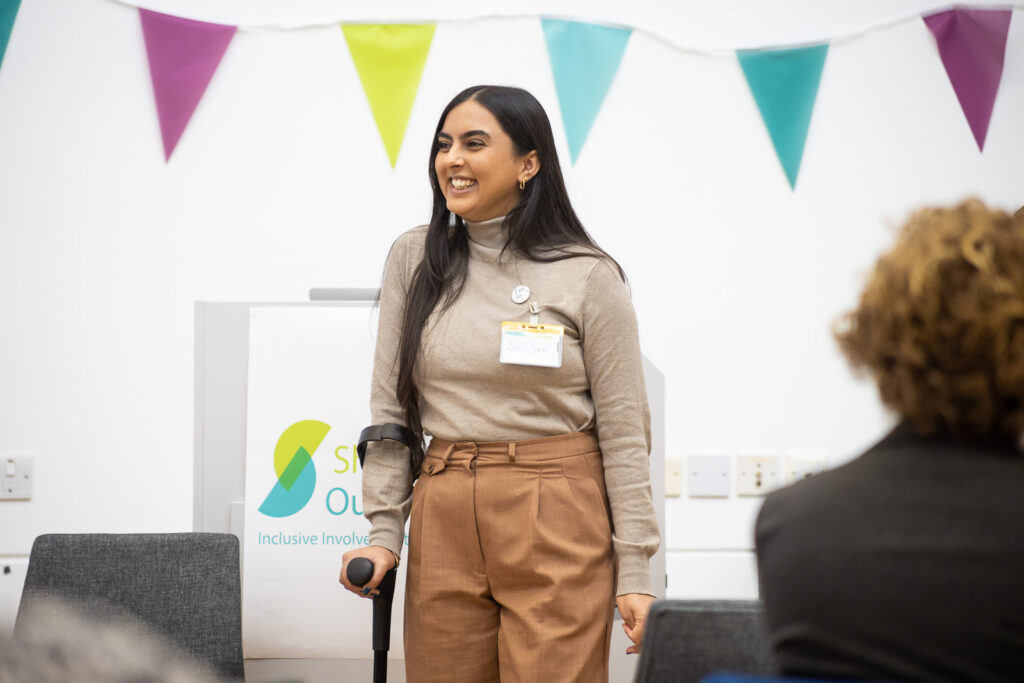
(803, 464)
(16, 476)
(756, 475)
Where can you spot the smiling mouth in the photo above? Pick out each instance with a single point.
(462, 183)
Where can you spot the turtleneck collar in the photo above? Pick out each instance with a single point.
(490, 233)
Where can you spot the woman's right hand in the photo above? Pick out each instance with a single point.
(383, 560)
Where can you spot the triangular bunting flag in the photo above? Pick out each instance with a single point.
(972, 44)
(389, 59)
(785, 86)
(584, 60)
(8, 11)
(183, 55)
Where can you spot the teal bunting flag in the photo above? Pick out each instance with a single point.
(584, 59)
(785, 86)
(8, 11)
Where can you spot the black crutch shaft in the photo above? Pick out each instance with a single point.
(360, 571)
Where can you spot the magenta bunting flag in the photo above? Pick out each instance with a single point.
(972, 44)
(183, 55)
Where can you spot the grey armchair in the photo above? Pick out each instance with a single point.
(686, 639)
(185, 586)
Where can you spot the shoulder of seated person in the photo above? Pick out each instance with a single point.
(815, 492)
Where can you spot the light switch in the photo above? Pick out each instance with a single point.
(708, 476)
(16, 483)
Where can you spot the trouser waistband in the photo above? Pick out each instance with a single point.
(546, 448)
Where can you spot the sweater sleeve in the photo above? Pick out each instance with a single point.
(387, 475)
(611, 354)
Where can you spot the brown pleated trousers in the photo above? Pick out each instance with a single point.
(511, 572)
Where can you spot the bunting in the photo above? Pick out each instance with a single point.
(785, 85)
(183, 56)
(390, 59)
(584, 60)
(972, 45)
(8, 11)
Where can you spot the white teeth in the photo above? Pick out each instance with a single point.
(462, 183)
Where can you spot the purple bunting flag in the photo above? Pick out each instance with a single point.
(183, 56)
(972, 44)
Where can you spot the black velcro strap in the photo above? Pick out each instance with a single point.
(391, 431)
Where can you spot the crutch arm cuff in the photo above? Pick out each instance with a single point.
(388, 430)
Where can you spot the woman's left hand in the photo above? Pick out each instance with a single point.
(634, 607)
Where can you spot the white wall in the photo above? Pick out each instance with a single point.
(280, 183)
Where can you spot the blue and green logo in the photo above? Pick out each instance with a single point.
(293, 463)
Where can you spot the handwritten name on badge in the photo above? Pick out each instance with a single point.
(531, 344)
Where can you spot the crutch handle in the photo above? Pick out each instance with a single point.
(359, 571)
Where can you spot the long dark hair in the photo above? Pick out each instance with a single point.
(542, 227)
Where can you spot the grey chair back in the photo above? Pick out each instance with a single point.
(185, 586)
(686, 639)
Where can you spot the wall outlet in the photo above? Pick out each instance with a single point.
(16, 476)
(756, 475)
(709, 476)
(804, 464)
(673, 477)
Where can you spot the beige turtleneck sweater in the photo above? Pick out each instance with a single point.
(467, 395)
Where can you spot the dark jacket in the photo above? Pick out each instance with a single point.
(904, 564)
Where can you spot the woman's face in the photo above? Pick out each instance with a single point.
(477, 166)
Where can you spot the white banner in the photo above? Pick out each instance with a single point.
(308, 393)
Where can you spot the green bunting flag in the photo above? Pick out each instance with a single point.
(785, 86)
(584, 60)
(389, 59)
(8, 11)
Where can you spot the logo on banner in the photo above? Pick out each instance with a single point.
(296, 484)
(293, 463)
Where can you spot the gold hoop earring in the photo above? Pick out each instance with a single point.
(522, 183)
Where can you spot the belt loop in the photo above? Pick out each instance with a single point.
(511, 451)
(434, 468)
(448, 452)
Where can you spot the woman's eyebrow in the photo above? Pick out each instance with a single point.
(467, 134)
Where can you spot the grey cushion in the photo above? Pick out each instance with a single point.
(686, 639)
(186, 586)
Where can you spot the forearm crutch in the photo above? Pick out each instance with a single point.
(360, 571)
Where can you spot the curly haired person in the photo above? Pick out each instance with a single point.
(907, 563)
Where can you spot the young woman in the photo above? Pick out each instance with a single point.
(509, 336)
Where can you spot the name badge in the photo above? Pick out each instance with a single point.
(531, 344)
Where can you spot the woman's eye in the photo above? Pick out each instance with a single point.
(443, 145)
(475, 143)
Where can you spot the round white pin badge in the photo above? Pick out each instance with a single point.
(520, 294)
